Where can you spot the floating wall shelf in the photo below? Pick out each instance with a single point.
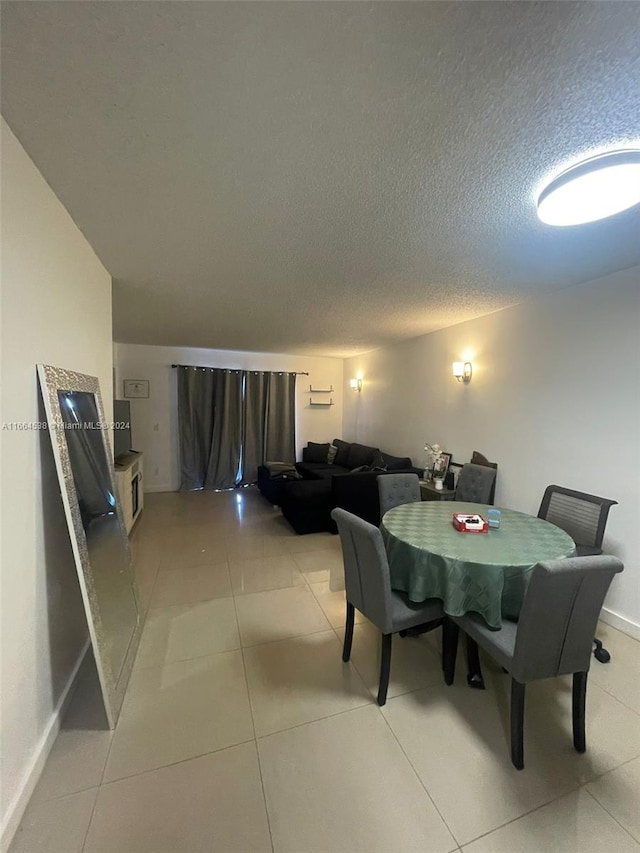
(313, 390)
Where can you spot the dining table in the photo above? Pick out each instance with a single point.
(483, 573)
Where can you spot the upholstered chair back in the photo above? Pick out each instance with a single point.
(366, 569)
(558, 619)
(397, 489)
(475, 483)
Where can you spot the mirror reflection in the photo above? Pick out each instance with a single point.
(93, 511)
(106, 546)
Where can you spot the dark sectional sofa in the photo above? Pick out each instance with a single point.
(307, 493)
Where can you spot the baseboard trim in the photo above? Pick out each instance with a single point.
(16, 809)
(165, 488)
(621, 623)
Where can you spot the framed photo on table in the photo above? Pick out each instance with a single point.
(443, 466)
(136, 388)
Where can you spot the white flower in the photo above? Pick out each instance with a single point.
(435, 455)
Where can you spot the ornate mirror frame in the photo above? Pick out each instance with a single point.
(113, 684)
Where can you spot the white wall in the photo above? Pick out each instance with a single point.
(555, 398)
(56, 309)
(154, 420)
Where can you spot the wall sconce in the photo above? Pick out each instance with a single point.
(356, 384)
(462, 370)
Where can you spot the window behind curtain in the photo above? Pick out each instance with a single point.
(232, 421)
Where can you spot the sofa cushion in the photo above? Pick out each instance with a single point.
(306, 505)
(360, 454)
(395, 463)
(378, 463)
(316, 452)
(277, 469)
(271, 484)
(325, 472)
(358, 493)
(314, 493)
(342, 456)
(319, 470)
(310, 470)
(331, 457)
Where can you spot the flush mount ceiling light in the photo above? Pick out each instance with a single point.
(594, 189)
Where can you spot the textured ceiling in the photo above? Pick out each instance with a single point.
(319, 177)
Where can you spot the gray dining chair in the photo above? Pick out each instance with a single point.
(584, 518)
(368, 589)
(552, 637)
(478, 458)
(476, 484)
(397, 489)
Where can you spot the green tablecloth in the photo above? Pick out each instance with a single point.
(483, 573)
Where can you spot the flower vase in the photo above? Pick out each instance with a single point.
(439, 485)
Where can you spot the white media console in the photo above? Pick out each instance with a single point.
(128, 470)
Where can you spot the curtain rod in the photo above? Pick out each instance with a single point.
(249, 370)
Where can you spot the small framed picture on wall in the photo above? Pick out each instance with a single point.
(136, 387)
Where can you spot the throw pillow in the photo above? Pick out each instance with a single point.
(378, 463)
(331, 456)
(342, 456)
(360, 454)
(396, 463)
(316, 452)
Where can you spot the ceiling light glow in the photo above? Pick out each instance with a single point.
(594, 189)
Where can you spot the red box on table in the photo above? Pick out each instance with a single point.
(466, 522)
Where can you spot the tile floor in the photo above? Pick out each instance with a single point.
(243, 731)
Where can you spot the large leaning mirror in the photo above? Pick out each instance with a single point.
(96, 525)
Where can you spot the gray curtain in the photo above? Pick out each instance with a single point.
(232, 421)
(269, 423)
(195, 423)
(223, 471)
(209, 421)
(253, 424)
(280, 418)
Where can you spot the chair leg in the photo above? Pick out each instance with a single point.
(348, 632)
(517, 724)
(450, 632)
(385, 667)
(579, 710)
(474, 671)
(600, 653)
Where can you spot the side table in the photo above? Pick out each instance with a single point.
(429, 492)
